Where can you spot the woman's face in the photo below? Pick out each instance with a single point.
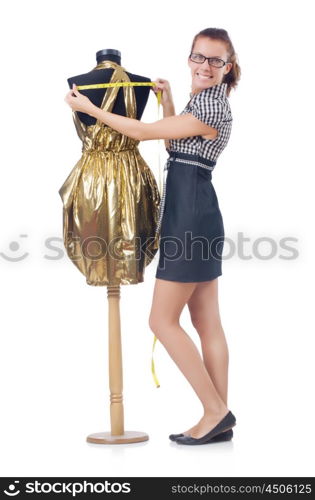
(203, 75)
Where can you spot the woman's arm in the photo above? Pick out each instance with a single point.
(168, 110)
(163, 86)
(171, 127)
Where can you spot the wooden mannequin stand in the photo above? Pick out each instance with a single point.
(117, 435)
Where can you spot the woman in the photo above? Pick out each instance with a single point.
(194, 140)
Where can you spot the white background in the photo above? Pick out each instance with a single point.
(54, 380)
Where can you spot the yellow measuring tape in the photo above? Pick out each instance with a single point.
(120, 84)
(159, 96)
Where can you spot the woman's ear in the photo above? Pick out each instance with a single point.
(231, 66)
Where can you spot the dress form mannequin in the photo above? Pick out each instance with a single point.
(104, 76)
(141, 94)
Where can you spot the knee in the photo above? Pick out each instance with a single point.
(161, 327)
(198, 324)
(197, 320)
(206, 326)
(155, 324)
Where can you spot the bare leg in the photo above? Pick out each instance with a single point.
(205, 316)
(169, 299)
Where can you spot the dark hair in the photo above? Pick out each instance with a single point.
(233, 76)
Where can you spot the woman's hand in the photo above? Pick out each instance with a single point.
(163, 85)
(79, 102)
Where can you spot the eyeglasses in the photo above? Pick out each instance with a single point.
(212, 61)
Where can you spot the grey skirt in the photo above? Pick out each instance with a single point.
(190, 223)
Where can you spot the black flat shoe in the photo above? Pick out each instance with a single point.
(223, 436)
(225, 424)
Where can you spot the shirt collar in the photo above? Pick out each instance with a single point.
(218, 90)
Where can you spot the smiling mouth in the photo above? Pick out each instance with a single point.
(204, 77)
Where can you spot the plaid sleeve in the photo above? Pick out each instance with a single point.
(208, 110)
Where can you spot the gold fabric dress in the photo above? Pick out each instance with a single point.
(110, 199)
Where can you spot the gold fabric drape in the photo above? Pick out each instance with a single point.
(110, 199)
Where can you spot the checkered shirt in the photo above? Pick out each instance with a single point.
(212, 107)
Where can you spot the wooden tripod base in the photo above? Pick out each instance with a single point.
(108, 438)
